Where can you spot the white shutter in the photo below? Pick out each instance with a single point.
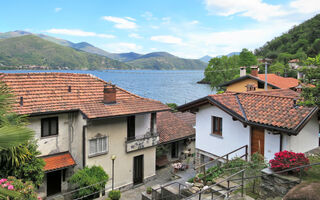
(93, 146)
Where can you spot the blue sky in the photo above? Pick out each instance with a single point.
(186, 28)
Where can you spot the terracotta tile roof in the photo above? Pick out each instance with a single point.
(48, 92)
(58, 161)
(172, 127)
(278, 92)
(279, 81)
(260, 109)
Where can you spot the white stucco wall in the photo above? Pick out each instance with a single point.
(142, 123)
(116, 130)
(234, 135)
(306, 140)
(51, 144)
(271, 144)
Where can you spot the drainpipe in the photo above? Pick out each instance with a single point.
(265, 76)
(84, 130)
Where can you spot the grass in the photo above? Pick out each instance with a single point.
(313, 174)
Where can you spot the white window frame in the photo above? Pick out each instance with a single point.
(103, 151)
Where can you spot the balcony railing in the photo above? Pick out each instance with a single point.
(142, 141)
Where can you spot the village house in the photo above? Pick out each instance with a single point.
(264, 121)
(177, 133)
(256, 82)
(80, 120)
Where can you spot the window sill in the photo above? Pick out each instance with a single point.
(216, 135)
(97, 154)
(49, 136)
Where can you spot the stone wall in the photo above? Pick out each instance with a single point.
(275, 185)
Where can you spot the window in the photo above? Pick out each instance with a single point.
(153, 122)
(260, 85)
(49, 126)
(98, 146)
(131, 128)
(216, 125)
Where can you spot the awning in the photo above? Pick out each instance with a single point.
(58, 161)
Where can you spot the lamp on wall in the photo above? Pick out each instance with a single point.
(113, 157)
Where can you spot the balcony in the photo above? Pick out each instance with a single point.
(141, 142)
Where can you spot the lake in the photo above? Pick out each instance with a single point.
(166, 86)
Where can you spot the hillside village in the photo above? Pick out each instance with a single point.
(68, 134)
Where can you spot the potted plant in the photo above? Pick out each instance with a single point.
(114, 194)
(149, 190)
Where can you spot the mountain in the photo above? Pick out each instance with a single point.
(205, 58)
(33, 50)
(233, 53)
(154, 60)
(164, 60)
(299, 42)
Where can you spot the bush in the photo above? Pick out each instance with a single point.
(287, 159)
(22, 190)
(86, 177)
(114, 194)
(149, 190)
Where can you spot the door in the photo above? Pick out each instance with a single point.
(174, 150)
(257, 140)
(53, 183)
(138, 169)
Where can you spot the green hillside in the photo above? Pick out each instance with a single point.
(301, 41)
(165, 61)
(32, 50)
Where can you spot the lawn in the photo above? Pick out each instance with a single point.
(313, 174)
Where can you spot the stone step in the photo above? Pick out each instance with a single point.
(224, 184)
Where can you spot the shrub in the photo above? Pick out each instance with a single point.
(22, 190)
(86, 177)
(287, 160)
(149, 190)
(114, 194)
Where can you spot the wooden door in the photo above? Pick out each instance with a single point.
(53, 183)
(257, 140)
(138, 169)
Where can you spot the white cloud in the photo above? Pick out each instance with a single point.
(168, 39)
(306, 6)
(122, 47)
(255, 9)
(135, 35)
(148, 16)
(57, 9)
(121, 23)
(166, 20)
(194, 22)
(77, 32)
(154, 27)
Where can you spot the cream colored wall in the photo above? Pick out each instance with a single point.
(51, 144)
(116, 130)
(240, 86)
(69, 136)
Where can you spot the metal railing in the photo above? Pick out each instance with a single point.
(155, 194)
(142, 137)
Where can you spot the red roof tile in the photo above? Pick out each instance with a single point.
(171, 126)
(58, 161)
(260, 109)
(278, 92)
(279, 81)
(48, 92)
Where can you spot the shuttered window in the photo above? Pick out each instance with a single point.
(98, 146)
(49, 126)
(216, 125)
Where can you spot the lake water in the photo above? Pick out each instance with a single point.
(166, 86)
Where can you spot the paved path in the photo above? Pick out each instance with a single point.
(163, 176)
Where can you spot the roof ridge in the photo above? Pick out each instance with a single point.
(241, 108)
(267, 95)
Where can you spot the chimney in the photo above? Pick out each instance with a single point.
(243, 71)
(109, 94)
(254, 70)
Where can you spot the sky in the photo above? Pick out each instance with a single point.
(185, 28)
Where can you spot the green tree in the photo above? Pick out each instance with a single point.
(173, 106)
(247, 58)
(311, 95)
(86, 177)
(222, 69)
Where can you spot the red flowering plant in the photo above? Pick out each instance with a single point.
(287, 159)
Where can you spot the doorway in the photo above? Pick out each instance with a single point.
(257, 140)
(53, 183)
(174, 150)
(138, 169)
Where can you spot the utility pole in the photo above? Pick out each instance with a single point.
(266, 75)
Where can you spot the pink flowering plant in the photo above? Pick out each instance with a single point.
(25, 190)
(287, 159)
